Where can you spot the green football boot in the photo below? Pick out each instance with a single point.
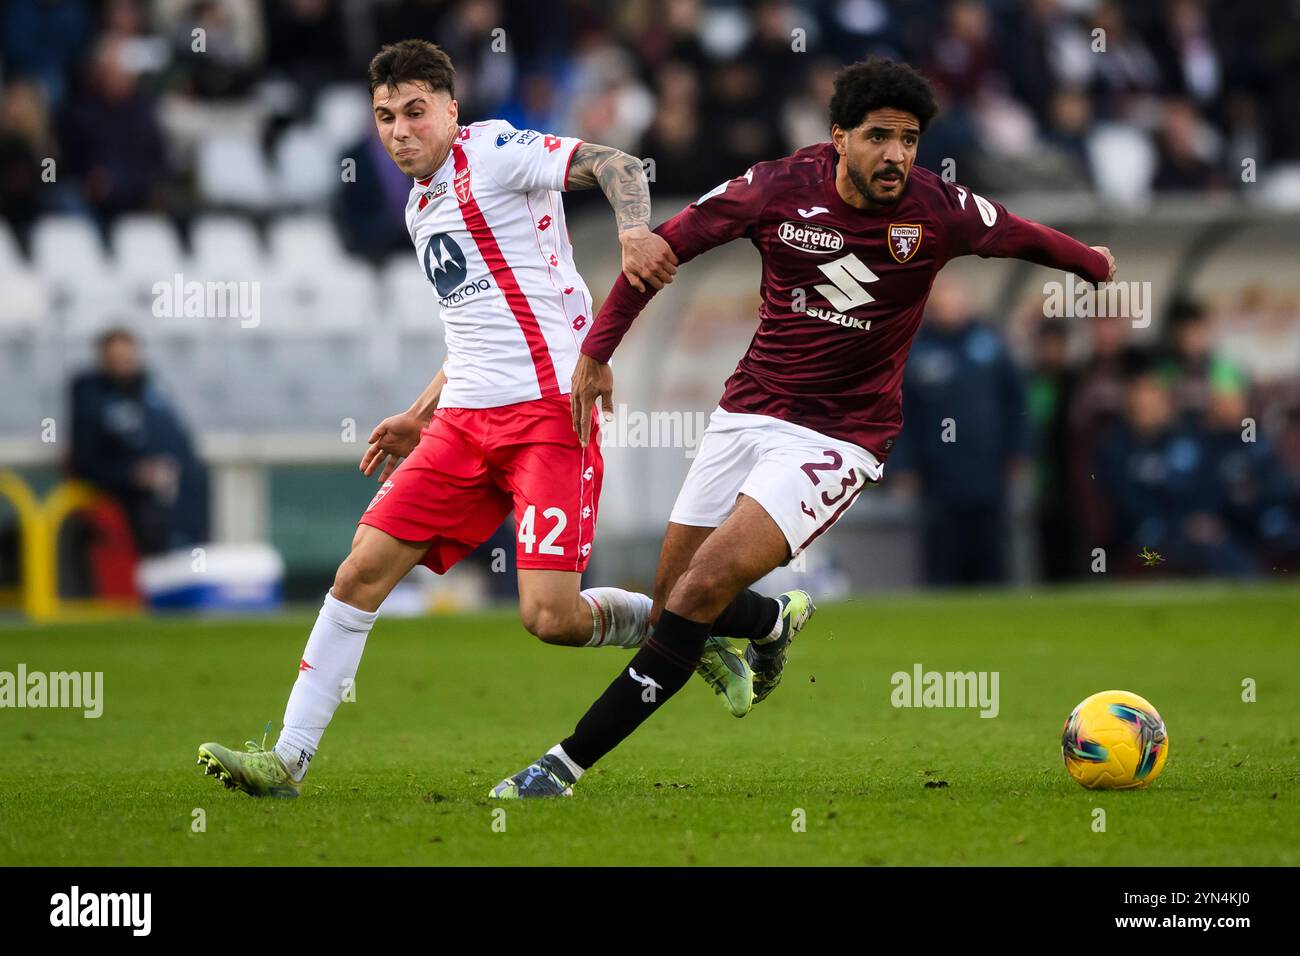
(725, 670)
(258, 772)
(767, 661)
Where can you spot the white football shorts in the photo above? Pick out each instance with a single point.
(802, 478)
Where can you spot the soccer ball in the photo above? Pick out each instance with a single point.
(1114, 741)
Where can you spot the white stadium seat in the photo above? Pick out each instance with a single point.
(418, 346)
(1281, 187)
(11, 257)
(85, 293)
(24, 335)
(340, 299)
(25, 303)
(225, 247)
(146, 251)
(306, 168)
(304, 244)
(409, 297)
(146, 245)
(352, 298)
(1123, 162)
(233, 172)
(343, 115)
(64, 247)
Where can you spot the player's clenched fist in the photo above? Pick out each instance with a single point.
(1109, 258)
(591, 380)
(647, 259)
(392, 440)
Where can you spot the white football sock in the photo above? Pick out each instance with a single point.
(775, 633)
(618, 618)
(328, 669)
(565, 759)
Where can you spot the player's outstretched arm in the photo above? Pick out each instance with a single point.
(1013, 237)
(396, 436)
(647, 259)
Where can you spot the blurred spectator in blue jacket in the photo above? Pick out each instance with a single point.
(676, 139)
(371, 211)
(45, 40)
(1193, 369)
(129, 442)
(1050, 393)
(1188, 160)
(1159, 480)
(112, 143)
(964, 438)
(1097, 404)
(1256, 497)
(25, 145)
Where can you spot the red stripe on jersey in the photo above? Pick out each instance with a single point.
(488, 248)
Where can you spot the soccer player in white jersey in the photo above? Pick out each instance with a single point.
(492, 432)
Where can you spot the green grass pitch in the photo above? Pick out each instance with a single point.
(446, 706)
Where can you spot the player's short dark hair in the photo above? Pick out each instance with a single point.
(876, 84)
(416, 61)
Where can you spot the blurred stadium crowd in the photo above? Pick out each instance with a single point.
(232, 139)
(1151, 452)
(178, 105)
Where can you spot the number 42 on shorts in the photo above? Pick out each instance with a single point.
(528, 536)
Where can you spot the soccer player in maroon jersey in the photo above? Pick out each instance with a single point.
(851, 237)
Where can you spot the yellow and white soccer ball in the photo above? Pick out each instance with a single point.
(1114, 740)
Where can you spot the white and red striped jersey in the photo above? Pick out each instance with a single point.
(489, 232)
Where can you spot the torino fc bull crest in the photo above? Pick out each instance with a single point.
(904, 240)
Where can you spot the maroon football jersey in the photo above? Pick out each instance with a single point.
(843, 288)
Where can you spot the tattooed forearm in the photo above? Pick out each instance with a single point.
(619, 176)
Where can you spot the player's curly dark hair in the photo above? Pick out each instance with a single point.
(415, 61)
(877, 83)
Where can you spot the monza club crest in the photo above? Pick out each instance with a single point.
(904, 240)
(461, 185)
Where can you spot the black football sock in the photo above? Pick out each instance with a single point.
(748, 617)
(658, 670)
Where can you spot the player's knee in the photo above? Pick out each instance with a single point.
(355, 580)
(701, 592)
(548, 624)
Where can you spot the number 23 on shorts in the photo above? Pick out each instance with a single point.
(830, 496)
